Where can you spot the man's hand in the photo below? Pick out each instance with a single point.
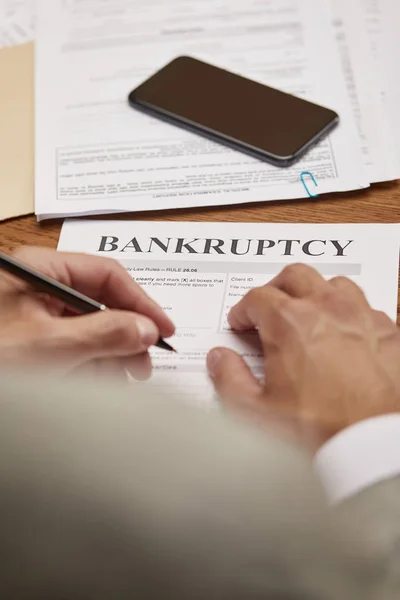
(40, 330)
(330, 360)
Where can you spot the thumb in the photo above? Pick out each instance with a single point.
(233, 380)
(106, 334)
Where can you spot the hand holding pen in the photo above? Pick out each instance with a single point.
(55, 327)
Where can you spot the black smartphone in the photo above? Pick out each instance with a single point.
(235, 111)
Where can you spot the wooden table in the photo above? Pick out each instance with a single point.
(378, 204)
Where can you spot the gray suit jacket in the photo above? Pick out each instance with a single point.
(110, 495)
(375, 514)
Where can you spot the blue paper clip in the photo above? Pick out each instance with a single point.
(305, 184)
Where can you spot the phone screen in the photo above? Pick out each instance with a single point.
(245, 114)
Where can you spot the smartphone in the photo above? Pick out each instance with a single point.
(243, 114)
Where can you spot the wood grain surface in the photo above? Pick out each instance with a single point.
(378, 204)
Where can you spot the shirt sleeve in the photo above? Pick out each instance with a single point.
(359, 457)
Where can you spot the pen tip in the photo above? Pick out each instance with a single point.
(165, 346)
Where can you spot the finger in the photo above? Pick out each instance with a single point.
(233, 380)
(107, 334)
(100, 278)
(384, 322)
(139, 367)
(349, 290)
(299, 281)
(259, 305)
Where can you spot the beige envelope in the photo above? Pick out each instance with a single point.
(16, 131)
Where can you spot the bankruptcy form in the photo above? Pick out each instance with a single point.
(198, 271)
(95, 154)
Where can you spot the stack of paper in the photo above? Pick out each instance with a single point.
(94, 154)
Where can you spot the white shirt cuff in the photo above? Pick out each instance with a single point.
(359, 457)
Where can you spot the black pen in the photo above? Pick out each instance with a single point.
(69, 296)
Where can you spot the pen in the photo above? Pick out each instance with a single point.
(69, 296)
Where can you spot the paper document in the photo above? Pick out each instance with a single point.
(388, 58)
(95, 154)
(373, 12)
(17, 22)
(198, 271)
(355, 36)
(382, 19)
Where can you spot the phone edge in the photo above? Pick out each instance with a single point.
(229, 142)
